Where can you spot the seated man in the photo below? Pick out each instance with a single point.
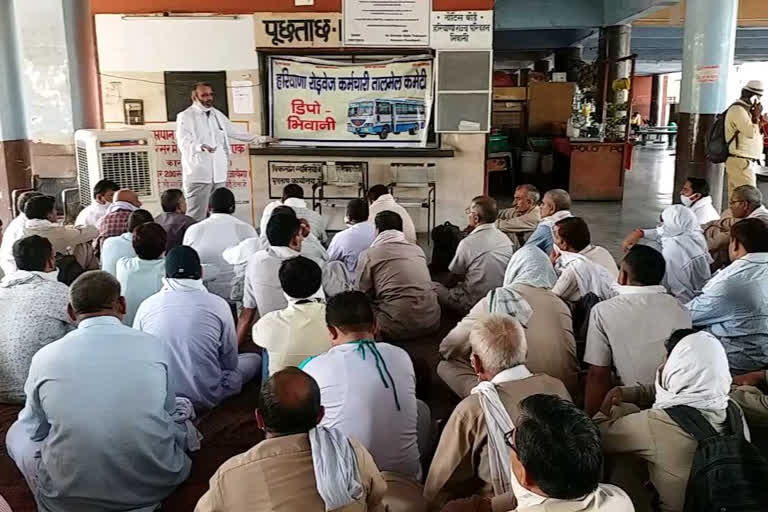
(480, 262)
(174, 218)
(239, 255)
(643, 442)
(520, 221)
(97, 431)
(262, 292)
(118, 247)
(293, 334)
(556, 463)
(394, 274)
(582, 268)
(14, 231)
(461, 464)
(212, 236)
(746, 202)
(368, 388)
(293, 197)
(33, 313)
(555, 206)
(198, 329)
(142, 276)
(733, 305)
(695, 195)
(526, 296)
(347, 245)
(300, 465)
(41, 221)
(103, 193)
(628, 332)
(115, 221)
(381, 201)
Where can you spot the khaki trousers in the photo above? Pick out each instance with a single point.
(738, 172)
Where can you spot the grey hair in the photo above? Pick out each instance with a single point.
(499, 342)
(533, 193)
(750, 194)
(561, 198)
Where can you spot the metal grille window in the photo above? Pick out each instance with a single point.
(130, 169)
(464, 91)
(82, 176)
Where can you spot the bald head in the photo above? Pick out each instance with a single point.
(289, 402)
(129, 196)
(95, 293)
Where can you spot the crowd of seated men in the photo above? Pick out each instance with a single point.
(577, 379)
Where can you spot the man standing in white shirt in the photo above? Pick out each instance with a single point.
(211, 237)
(103, 193)
(203, 134)
(381, 200)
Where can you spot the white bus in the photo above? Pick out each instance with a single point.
(382, 117)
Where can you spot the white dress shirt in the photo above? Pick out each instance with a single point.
(387, 203)
(14, 231)
(704, 211)
(347, 245)
(316, 221)
(210, 238)
(91, 214)
(115, 248)
(195, 128)
(263, 290)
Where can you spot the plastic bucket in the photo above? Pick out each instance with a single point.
(529, 162)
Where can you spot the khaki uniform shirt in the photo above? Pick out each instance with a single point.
(277, 475)
(69, 240)
(629, 330)
(460, 467)
(396, 276)
(749, 138)
(482, 258)
(518, 227)
(551, 345)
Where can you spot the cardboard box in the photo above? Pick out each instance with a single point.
(510, 93)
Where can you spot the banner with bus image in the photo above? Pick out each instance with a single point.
(326, 103)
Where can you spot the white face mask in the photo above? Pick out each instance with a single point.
(687, 201)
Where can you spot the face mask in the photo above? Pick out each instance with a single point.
(687, 201)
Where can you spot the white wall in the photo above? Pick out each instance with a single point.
(175, 45)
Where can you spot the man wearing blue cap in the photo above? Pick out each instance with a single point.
(199, 329)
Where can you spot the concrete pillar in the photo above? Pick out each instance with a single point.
(656, 101)
(82, 63)
(565, 60)
(615, 43)
(708, 50)
(15, 169)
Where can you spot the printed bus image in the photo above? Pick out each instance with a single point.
(386, 116)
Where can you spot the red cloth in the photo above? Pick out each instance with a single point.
(113, 224)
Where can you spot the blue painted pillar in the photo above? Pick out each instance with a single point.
(15, 171)
(708, 52)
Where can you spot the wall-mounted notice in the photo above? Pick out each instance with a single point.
(462, 29)
(169, 171)
(242, 96)
(708, 74)
(316, 102)
(304, 174)
(297, 29)
(386, 22)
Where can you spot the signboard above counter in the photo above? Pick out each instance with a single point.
(461, 30)
(297, 30)
(386, 22)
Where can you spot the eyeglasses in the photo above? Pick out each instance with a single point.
(731, 203)
(509, 440)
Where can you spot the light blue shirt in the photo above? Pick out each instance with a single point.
(199, 331)
(139, 279)
(114, 248)
(347, 245)
(734, 307)
(98, 401)
(542, 238)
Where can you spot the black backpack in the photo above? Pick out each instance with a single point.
(717, 145)
(445, 239)
(728, 473)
